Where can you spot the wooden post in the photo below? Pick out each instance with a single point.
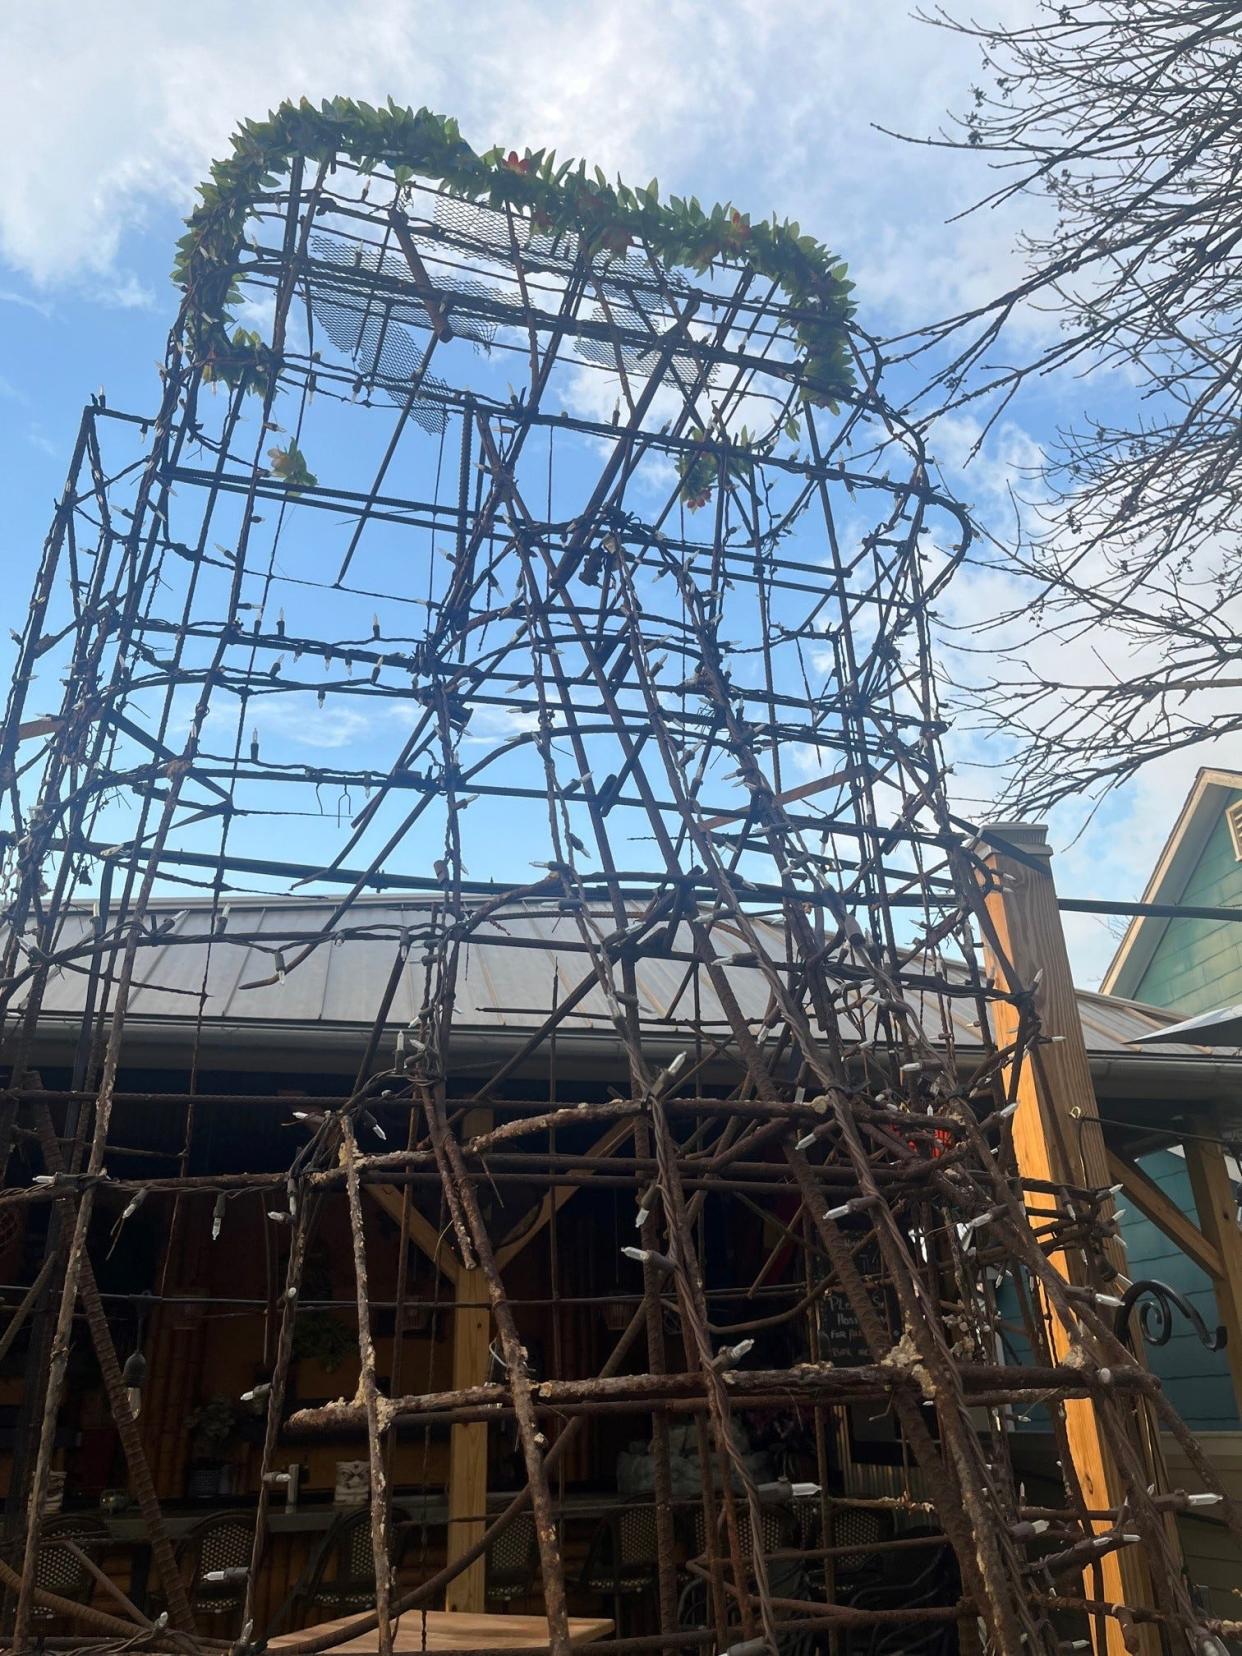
(1218, 1219)
(467, 1478)
(1057, 1137)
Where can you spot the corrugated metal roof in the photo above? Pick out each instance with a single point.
(501, 989)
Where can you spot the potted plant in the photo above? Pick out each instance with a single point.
(321, 1338)
(212, 1427)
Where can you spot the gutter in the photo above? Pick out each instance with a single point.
(166, 1042)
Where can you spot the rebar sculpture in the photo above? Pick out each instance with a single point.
(588, 512)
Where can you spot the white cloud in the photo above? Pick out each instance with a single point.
(9, 297)
(772, 105)
(495, 726)
(126, 292)
(297, 718)
(38, 438)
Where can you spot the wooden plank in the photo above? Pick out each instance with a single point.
(37, 727)
(419, 1230)
(1057, 1137)
(421, 1630)
(467, 1478)
(789, 796)
(554, 1200)
(1146, 1195)
(1218, 1215)
(472, 1325)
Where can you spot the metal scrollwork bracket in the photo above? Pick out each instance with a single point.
(1156, 1302)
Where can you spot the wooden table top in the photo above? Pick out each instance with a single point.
(420, 1630)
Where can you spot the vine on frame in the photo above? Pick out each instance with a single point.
(559, 198)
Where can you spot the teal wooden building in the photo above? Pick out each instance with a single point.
(1189, 966)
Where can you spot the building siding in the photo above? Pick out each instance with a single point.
(1196, 967)
(1197, 1381)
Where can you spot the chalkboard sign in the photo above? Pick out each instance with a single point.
(840, 1337)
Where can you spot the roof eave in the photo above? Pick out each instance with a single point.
(332, 1048)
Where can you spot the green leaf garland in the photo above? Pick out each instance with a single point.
(557, 196)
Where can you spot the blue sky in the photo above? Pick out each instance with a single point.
(121, 106)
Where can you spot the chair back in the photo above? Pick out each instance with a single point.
(512, 1558)
(624, 1553)
(636, 1539)
(355, 1554)
(57, 1569)
(862, 1525)
(778, 1530)
(342, 1573)
(221, 1542)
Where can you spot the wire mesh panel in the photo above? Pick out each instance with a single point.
(548, 562)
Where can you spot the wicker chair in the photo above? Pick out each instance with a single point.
(512, 1560)
(778, 1533)
(343, 1576)
(222, 1542)
(778, 1529)
(623, 1558)
(866, 1527)
(57, 1570)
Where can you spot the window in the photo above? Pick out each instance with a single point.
(1234, 816)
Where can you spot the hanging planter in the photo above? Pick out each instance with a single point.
(617, 1314)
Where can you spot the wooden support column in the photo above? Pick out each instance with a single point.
(1057, 1137)
(467, 1478)
(1218, 1219)
(472, 1333)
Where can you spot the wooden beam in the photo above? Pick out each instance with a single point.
(1218, 1214)
(1057, 1136)
(789, 796)
(472, 1331)
(419, 1230)
(467, 1476)
(37, 727)
(555, 1198)
(1146, 1195)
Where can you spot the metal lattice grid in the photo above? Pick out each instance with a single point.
(606, 631)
